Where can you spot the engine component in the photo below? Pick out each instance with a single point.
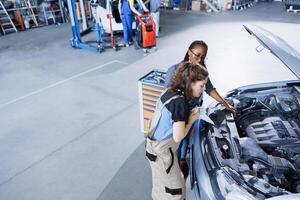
(297, 161)
(263, 186)
(279, 165)
(224, 147)
(252, 152)
(272, 132)
(265, 140)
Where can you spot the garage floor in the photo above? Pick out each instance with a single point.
(70, 118)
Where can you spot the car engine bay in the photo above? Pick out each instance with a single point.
(260, 145)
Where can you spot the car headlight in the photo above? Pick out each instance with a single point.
(229, 189)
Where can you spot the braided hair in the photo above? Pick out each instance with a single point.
(193, 45)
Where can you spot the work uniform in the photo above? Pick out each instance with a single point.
(167, 179)
(127, 20)
(208, 88)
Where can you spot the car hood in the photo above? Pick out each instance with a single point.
(280, 48)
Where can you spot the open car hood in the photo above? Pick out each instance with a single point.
(280, 48)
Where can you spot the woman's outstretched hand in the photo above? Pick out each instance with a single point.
(231, 109)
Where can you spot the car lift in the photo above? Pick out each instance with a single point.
(76, 41)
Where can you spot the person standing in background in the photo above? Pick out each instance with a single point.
(155, 13)
(126, 10)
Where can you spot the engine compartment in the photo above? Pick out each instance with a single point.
(262, 142)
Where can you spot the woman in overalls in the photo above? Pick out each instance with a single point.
(174, 123)
(126, 10)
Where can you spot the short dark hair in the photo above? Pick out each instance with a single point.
(192, 46)
(186, 74)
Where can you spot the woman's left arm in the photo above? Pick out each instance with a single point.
(214, 94)
(181, 129)
(131, 4)
(212, 91)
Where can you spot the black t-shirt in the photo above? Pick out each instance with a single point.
(178, 107)
(175, 111)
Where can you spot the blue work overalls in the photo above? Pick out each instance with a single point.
(127, 20)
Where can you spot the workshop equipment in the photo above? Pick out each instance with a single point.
(101, 36)
(113, 42)
(76, 41)
(6, 23)
(31, 12)
(145, 31)
(110, 7)
(150, 88)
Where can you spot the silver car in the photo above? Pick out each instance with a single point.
(256, 153)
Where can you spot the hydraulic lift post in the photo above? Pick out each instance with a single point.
(76, 41)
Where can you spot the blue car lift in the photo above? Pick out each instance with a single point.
(76, 41)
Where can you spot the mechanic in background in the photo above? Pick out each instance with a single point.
(155, 13)
(174, 120)
(127, 10)
(196, 54)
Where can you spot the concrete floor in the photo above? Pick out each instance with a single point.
(69, 118)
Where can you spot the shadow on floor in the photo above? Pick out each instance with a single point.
(132, 181)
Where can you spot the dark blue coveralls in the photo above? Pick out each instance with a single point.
(127, 20)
